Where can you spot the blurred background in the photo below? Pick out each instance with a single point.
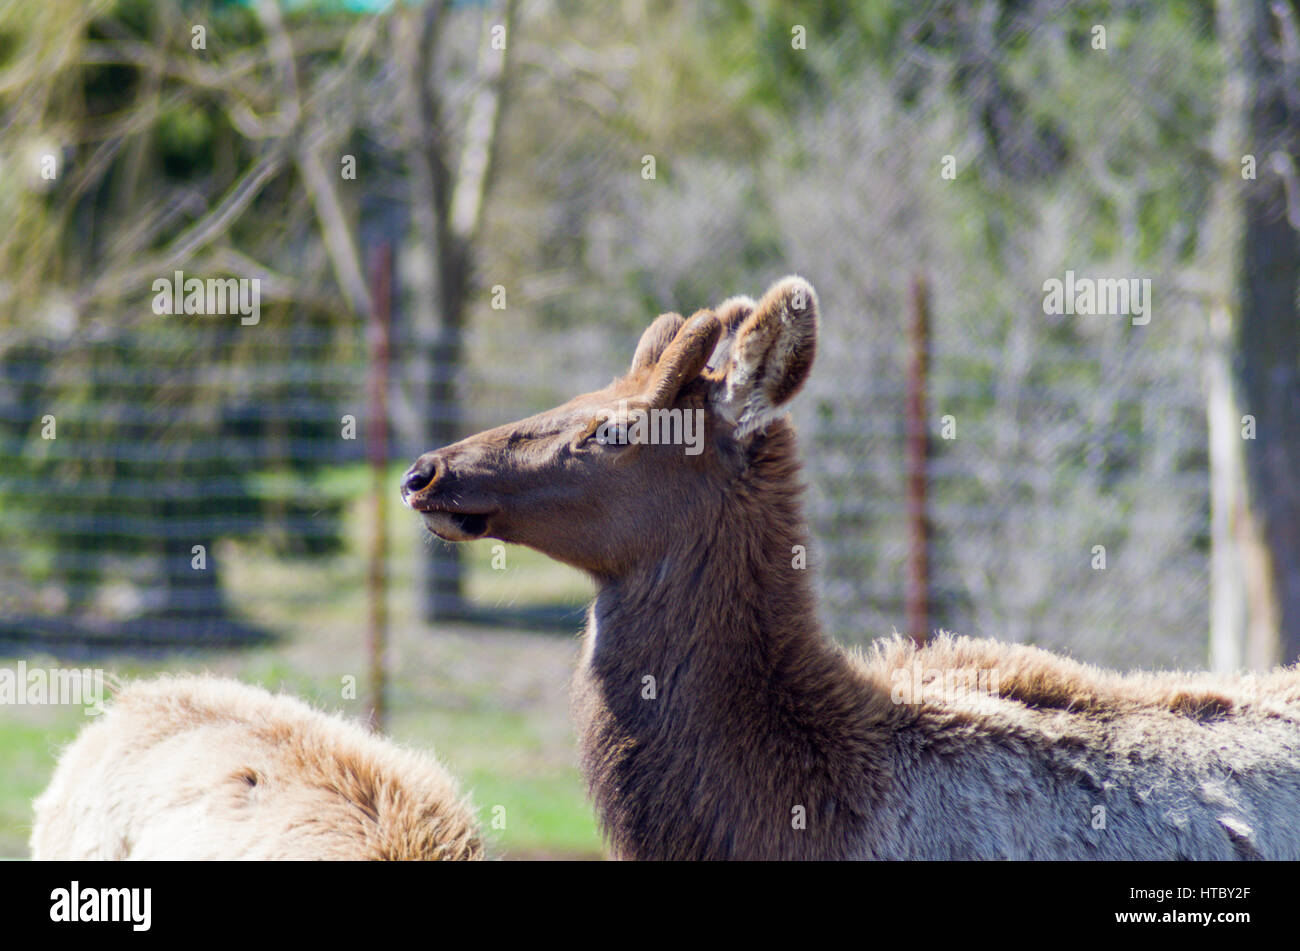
(459, 214)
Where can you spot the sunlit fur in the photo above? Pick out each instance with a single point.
(201, 768)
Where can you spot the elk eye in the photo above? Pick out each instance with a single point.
(604, 431)
(612, 434)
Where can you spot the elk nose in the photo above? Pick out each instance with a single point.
(426, 471)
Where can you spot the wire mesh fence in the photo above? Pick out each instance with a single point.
(1068, 497)
(1067, 484)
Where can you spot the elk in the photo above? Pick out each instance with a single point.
(717, 721)
(204, 768)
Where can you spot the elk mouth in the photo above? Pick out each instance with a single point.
(454, 525)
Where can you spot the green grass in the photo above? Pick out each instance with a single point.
(534, 817)
(529, 800)
(490, 703)
(27, 752)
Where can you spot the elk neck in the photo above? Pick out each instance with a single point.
(728, 587)
(747, 693)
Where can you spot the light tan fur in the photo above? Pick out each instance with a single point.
(204, 768)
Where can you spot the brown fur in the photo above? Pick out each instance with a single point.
(717, 721)
(199, 768)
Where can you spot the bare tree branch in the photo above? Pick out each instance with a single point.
(113, 283)
(321, 184)
(482, 128)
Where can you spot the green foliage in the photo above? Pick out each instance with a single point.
(162, 420)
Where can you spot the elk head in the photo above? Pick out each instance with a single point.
(611, 477)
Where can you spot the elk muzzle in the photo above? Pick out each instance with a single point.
(429, 488)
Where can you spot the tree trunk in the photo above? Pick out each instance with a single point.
(443, 570)
(447, 209)
(191, 598)
(1253, 259)
(1268, 368)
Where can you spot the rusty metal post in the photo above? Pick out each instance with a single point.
(381, 271)
(917, 454)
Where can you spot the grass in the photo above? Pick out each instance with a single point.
(27, 752)
(491, 703)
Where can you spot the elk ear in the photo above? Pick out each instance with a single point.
(770, 355)
(685, 357)
(731, 314)
(655, 340)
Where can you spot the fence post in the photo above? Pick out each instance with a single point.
(381, 267)
(917, 453)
